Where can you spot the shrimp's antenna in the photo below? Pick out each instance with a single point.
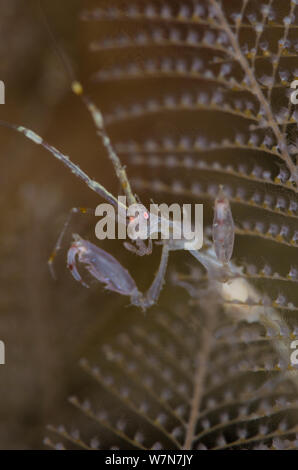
(95, 113)
(75, 169)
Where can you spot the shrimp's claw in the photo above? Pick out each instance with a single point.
(73, 252)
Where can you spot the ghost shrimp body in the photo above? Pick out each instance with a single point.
(104, 267)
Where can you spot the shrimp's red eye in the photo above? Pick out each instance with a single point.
(146, 215)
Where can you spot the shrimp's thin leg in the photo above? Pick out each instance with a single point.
(107, 270)
(58, 244)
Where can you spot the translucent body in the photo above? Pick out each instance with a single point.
(106, 269)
